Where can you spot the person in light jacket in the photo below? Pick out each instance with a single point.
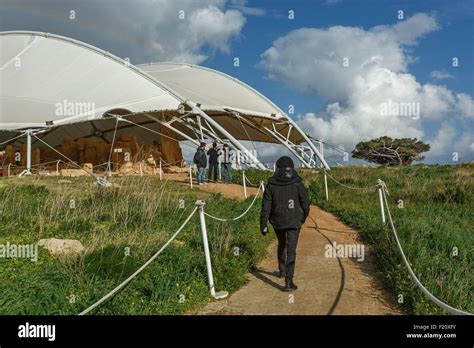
(226, 157)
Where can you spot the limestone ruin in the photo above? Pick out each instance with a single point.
(129, 156)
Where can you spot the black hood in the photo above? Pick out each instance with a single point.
(284, 176)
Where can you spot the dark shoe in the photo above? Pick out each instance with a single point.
(281, 274)
(289, 285)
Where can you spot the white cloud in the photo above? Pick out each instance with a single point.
(251, 11)
(409, 31)
(464, 145)
(312, 61)
(205, 24)
(440, 75)
(154, 27)
(213, 27)
(443, 141)
(449, 140)
(465, 105)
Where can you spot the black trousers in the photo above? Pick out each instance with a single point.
(287, 242)
(213, 172)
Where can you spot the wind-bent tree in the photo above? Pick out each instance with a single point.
(388, 151)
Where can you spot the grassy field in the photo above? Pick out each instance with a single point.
(138, 213)
(433, 210)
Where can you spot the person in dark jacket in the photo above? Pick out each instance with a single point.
(200, 160)
(286, 205)
(213, 162)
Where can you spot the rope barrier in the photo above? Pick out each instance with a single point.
(138, 271)
(70, 160)
(241, 215)
(14, 138)
(383, 192)
(251, 183)
(102, 181)
(349, 187)
(170, 163)
(154, 131)
(433, 298)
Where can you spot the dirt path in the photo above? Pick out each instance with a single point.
(325, 285)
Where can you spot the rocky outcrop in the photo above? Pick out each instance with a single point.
(62, 247)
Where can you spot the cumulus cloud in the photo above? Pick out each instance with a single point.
(156, 30)
(363, 77)
(180, 30)
(465, 105)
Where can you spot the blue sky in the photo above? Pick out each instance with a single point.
(414, 59)
(434, 52)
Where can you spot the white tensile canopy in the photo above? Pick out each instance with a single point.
(51, 86)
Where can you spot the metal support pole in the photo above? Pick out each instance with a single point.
(190, 176)
(28, 153)
(326, 185)
(161, 172)
(207, 254)
(200, 127)
(57, 167)
(219, 169)
(245, 184)
(309, 142)
(380, 188)
(274, 167)
(141, 168)
(9, 165)
(226, 134)
(321, 151)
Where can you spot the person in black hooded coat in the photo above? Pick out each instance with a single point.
(286, 205)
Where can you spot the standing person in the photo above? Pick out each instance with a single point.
(286, 205)
(226, 157)
(213, 162)
(200, 160)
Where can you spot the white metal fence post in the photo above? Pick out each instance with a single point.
(219, 169)
(210, 277)
(141, 168)
(380, 188)
(57, 167)
(9, 166)
(28, 152)
(190, 176)
(326, 185)
(245, 184)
